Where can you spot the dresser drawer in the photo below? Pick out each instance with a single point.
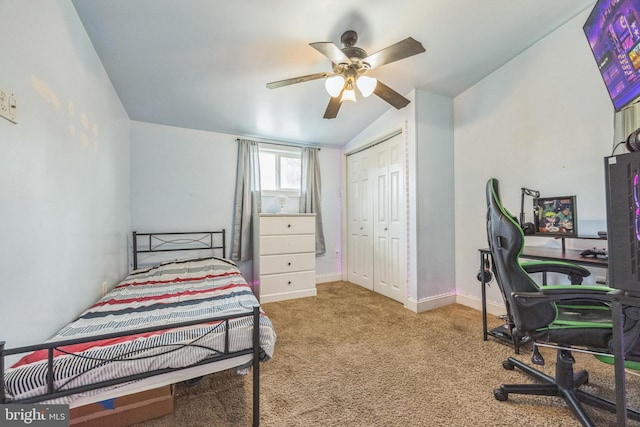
(288, 282)
(276, 225)
(288, 263)
(275, 245)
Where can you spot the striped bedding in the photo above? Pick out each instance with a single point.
(170, 293)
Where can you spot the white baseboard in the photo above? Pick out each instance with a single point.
(474, 302)
(430, 303)
(326, 278)
(438, 301)
(434, 302)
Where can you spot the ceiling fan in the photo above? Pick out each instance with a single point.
(350, 64)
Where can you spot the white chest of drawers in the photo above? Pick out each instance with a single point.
(285, 259)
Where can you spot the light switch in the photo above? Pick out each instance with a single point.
(8, 106)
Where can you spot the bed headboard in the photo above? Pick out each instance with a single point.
(178, 242)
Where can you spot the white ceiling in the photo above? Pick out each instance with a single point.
(203, 64)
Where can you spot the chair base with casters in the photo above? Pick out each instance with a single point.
(565, 385)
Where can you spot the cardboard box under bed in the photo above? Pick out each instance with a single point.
(126, 410)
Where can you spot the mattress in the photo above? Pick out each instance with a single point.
(170, 293)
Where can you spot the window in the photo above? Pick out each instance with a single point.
(280, 170)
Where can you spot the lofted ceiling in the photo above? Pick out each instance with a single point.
(204, 64)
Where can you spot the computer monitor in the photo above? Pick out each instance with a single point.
(622, 185)
(556, 216)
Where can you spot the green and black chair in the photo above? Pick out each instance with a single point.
(567, 316)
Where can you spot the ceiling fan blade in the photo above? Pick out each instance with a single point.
(403, 49)
(294, 80)
(334, 106)
(390, 95)
(331, 51)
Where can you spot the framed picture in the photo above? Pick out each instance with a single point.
(556, 216)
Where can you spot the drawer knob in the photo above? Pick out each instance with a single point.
(288, 225)
(289, 282)
(288, 263)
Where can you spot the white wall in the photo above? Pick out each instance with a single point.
(64, 172)
(184, 180)
(181, 179)
(543, 121)
(329, 265)
(435, 198)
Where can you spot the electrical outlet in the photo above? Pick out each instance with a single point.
(104, 288)
(8, 106)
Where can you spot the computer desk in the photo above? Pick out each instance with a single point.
(531, 252)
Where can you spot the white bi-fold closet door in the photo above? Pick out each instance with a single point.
(377, 217)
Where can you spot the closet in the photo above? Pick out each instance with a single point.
(377, 218)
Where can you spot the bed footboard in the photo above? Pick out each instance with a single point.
(59, 346)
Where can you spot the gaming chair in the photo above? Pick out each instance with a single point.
(567, 316)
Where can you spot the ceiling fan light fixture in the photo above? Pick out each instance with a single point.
(366, 85)
(334, 85)
(348, 94)
(348, 66)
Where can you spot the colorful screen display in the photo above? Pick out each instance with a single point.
(556, 216)
(613, 32)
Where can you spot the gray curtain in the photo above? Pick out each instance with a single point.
(248, 199)
(310, 195)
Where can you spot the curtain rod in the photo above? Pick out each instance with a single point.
(284, 144)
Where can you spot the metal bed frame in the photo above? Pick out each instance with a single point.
(177, 242)
(254, 350)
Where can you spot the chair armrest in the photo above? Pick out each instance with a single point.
(575, 272)
(555, 267)
(565, 293)
(597, 295)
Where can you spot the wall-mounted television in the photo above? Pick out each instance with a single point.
(613, 33)
(556, 216)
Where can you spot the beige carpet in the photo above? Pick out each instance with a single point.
(350, 357)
